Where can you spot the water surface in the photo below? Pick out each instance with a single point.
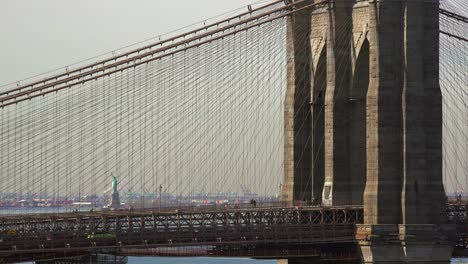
(151, 260)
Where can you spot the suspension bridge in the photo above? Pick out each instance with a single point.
(314, 130)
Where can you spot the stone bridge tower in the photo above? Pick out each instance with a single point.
(363, 121)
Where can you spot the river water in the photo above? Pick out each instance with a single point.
(154, 260)
(146, 260)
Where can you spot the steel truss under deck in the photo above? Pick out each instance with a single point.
(77, 232)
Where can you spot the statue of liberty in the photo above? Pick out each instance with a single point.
(115, 199)
(114, 184)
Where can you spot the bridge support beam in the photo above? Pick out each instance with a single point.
(403, 244)
(337, 187)
(317, 138)
(297, 113)
(404, 195)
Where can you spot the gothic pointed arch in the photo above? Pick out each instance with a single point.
(319, 86)
(357, 125)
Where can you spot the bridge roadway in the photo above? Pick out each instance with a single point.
(28, 237)
(264, 232)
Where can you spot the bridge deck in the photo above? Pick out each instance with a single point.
(29, 234)
(260, 231)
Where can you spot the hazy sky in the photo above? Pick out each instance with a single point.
(235, 146)
(41, 35)
(37, 36)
